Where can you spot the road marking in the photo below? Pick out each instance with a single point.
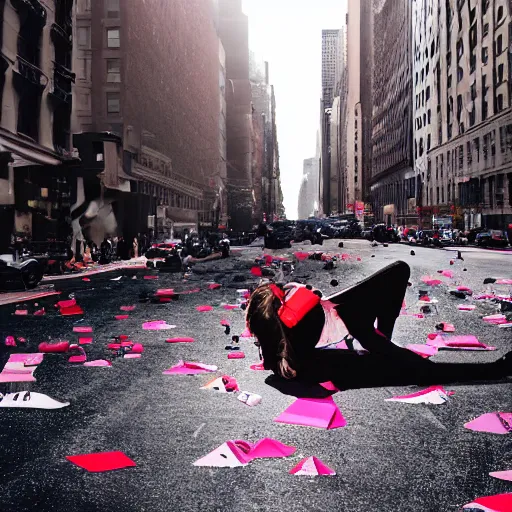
(196, 433)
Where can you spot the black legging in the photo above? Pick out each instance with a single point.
(380, 298)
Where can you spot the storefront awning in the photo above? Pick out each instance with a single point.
(26, 152)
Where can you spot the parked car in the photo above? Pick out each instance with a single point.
(472, 234)
(23, 275)
(384, 234)
(426, 237)
(492, 238)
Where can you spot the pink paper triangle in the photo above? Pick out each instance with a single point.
(203, 309)
(98, 363)
(85, 341)
(104, 461)
(496, 503)
(270, 448)
(188, 368)
(78, 328)
(236, 355)
(180, 340)
(502, 475)
(231, 454)
(311, 466)
(313, 412)
(490, 423)
(422, 350)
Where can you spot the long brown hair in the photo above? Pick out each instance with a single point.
(264, 323)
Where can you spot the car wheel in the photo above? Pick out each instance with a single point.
(31, 276)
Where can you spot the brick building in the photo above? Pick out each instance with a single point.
(147, 109)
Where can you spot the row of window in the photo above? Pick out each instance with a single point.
(84, 38)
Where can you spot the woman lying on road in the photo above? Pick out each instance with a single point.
(292, 324)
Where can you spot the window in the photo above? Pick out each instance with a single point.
(500, 73)
(500, 102)
(460, 48)
(113, 103)
(486, 29)
(437, 195)
(83, 6)
(84, 37)
(113, 38)
(499, 16)
(485, 55)
(442, 195)
(428, 93)
(476, 144)
(429, 116)
(437, 168)
(114, 70)
(428, 142)
(112, 8)
(448, 190)
(469, 153)
(84, 101)
(503, 143)
(442, 164)
(461, 157)
(449, 81)
(84, 69)
(460, 74)
(499, 44)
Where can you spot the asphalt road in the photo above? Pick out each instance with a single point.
(390, 457)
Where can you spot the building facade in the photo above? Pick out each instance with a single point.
(330, 69)
(308, 194)
(35, 140)
(359, 102)
(392, 177)
(463, 111)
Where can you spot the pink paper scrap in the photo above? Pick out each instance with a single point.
(246, 334)
(504, 281)
(467, 342)
(311, 466)
(127, 308)
(122, 317)
(82, 358)
(98, 363)
(431, 282)
(495, 319)
(502, 475)
(150, 277)
(257, 367)
(313, 412)
(496, 503)
(492, 422)
(180, 340)
(17, 372)
(189, 368)
(466, 307)
(236, 355)
(435, 395)
(132, 356)
(27, 359)
(157, 325)
(224, 323)
(229, 307)
(84, 341)
(203, 309)
(78, 328)
(422, 350)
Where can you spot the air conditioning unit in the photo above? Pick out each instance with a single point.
(151, 222)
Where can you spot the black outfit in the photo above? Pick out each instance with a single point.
(378, 298)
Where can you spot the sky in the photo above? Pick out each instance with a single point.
(288, 34)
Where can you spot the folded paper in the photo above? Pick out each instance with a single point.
(224, 384)
(236, 355)
(84, 341)
(466, 342)
(157, 325)
(313, 412)
(189, 368)
(311, 466)
(127, 308)
(435, 395)
(60, 346)
(203, 309)
(81, 329)
(502, 475)
(492, 423)
(30, 400)
(98, 363)
(103, 461)
(180, 340)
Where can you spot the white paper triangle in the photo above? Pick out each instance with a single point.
(221, 457)
(435, 397)
(216, 385)
(33, 401)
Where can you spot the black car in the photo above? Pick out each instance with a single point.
(24, 275)
(492, 238)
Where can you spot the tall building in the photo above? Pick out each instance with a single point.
(392, 177)
(308, 194)
(35, 95)
(359, 101)
(330, 69)
(463, 111)
(147, 123)
(234, 34)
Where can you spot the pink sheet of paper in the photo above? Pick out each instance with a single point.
(236, 355)
(466, 307)
(78, 328)
(430, 281)
(256, 272)
(504, 281)
(127, 308)
(329, 386)
(78, 359)
(465, 289)
(157, 325)
(490, 423)
(164, 292)
(104, 461)
(231, 454)
(446, 273)
(467, 342)
(27, 359)
(301, 256)
(496, 503)
(132, 356)
(311, 466)
(422, 350)
(189, 368)
(495, 319)
(203, 309)
(257, 367)
(149, 278)
(73, 310)
(180, 340)
(313, 412)
(433, 395)
(84, 341)
(188, 292)
(137, 348)
(270, 448)
(224, 323)
(448, 327)
(246, 334)
(17, 372)
(122, 317)
(98, 363)
(66, 303)
(502, 475)
(230, 307)
(214, 286)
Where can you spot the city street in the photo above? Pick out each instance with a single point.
(390, 456)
